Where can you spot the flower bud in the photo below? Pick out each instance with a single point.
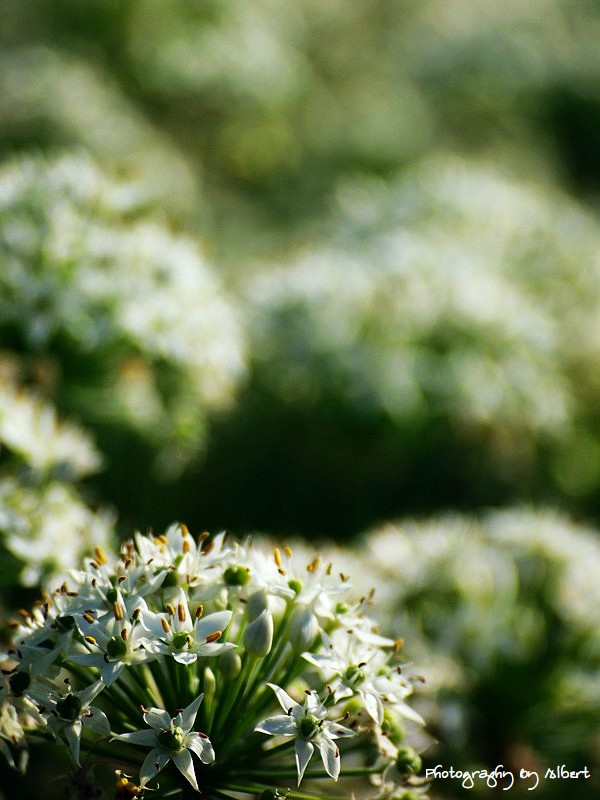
(256, 604)
(408, 761)
(210, 684)
(258, 636)
(304, 628)
(69, 708)
(230, 664)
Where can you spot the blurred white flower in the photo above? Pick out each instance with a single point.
(30, 427)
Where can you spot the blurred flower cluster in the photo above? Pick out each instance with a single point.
(252, 661)
(45, 524)
(128, 319)
(298, 268)
(500, 613)
(454, 293)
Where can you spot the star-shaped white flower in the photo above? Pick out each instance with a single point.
(309, 724)
(176, 633)
(171, 738)
(69, 714)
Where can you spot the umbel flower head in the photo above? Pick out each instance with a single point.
(206, 665)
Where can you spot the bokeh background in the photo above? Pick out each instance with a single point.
(331, 271)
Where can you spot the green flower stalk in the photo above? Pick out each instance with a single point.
(208, 666)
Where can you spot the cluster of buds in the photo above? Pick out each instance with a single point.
(223, 666)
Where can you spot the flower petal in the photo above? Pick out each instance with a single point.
(87, 695)
(110, 672)
(408, 712)
(304, 751)
(183, 762)
(201, 746)
(184, 657)
(281, 725)
(157, 718)
(147, 738)
(153, 763)
(73, 736)
(330, 756)
(213, 622)
(337, 731)
(97, 721)
(285, 701)
(373, 706)
(186, 718)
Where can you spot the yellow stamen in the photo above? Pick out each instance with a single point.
(214, 637)
(165, 625)
(100, 555)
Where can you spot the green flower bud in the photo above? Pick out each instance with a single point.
(171, 579)
(408, 761)
(258, 636)
(304, 629)
(308, 725)
(210, 684)
(19, 682)
(354, 674)
(112, 595)
(181, 640)
(230, 664)
(236, 576)
(69, 708)
(116, 647)
(171, 740)
(393, 727)
(65, 623)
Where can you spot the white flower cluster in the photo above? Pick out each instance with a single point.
(43, 520)
(84, 107)
(247, 657)
(30, 428)
(431, 304)
(509, 588)
(80, 263)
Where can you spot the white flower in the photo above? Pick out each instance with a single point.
(49, 528)
(171, 738)
(174, 632)
(364, 670)
(31, 428)
(70, 713)
(116, 641)
(309, 724)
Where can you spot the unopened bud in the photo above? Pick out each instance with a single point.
(304, 628)
(408, 761)
(210, 684)
(258, 636)
(230, 664)
(256, 604)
